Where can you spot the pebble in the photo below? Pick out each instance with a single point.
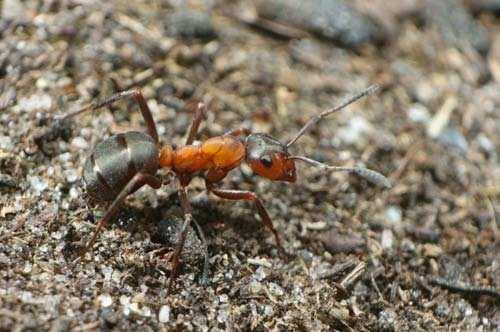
(356, 128)
(37, 184)
(36, 102)
(387, 239)
(259, 274)
(393, 214)
(485, 144)
(453, 138)
(331, 19)
(492, 6)
(105, 300)
(386, 320)
(80, 143)
(190, 24)
(164, 314)
(418, 113)
(6, 143)
(342, 243)
(71, 175)
(456, 25)
(276, 289)
(12, 10)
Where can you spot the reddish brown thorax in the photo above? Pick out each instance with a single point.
(221, 152)
(218, 155)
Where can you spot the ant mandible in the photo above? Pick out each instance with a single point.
(125, 162)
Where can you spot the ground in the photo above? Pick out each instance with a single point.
(422, 255)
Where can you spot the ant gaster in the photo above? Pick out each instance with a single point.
(125, 162)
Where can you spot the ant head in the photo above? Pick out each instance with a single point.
(269, 158)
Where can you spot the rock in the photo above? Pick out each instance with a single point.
(330, 19)
(342, 243)
(387, 13)
(12, 10)
(418, 113)
(190, 24)
(386, 320)
(452, 137)
(164, 314)
(394, 215)
(494, 59)
(456, 25)
(492, 6)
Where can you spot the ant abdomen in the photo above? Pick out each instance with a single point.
(115, 161)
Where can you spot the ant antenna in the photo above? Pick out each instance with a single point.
(368, 91)
(367, 174)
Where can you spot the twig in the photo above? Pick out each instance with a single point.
(353, 276)
(464, 288)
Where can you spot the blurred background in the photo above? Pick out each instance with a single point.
(422, 255)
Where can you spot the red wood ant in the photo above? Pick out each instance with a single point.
(125, 162)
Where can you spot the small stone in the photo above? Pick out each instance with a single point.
(485, 144)
(418, 113)
(36, 102)
(105, 300)
(386, 320)
(259, 274)
(80, 143)
(37, 184)
(356, 128)
(342, 243)
(331, 19)
(71, 175)
(456, 25)
(276, 289)
(394, 215)
(255, 288)
(454, 138)
(387, 239)
(6, 143)
(164, 314)
(432, 250)
(12, 10)
(190, 24)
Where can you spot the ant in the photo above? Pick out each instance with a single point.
(125, 162)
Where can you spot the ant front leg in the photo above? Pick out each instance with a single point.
(248, 196)
(139, 180)
(188, 218)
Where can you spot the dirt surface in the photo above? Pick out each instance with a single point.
(422, 255)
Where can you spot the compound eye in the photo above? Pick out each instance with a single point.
(266, 161)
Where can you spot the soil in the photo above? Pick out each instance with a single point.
(422, 255)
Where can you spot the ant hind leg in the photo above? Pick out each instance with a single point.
(134, 184)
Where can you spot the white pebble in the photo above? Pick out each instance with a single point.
(80, 143)
(418, 113)
(387, 239)
(71, 175)
(105, 300)
(6, 143)
(164, 314)
(37, 184)
(393, 214)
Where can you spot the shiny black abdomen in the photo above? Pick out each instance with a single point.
(116, 160)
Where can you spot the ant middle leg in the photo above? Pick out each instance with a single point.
(188, 218)
(199, 115)
(249, 196)
(139, 180)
